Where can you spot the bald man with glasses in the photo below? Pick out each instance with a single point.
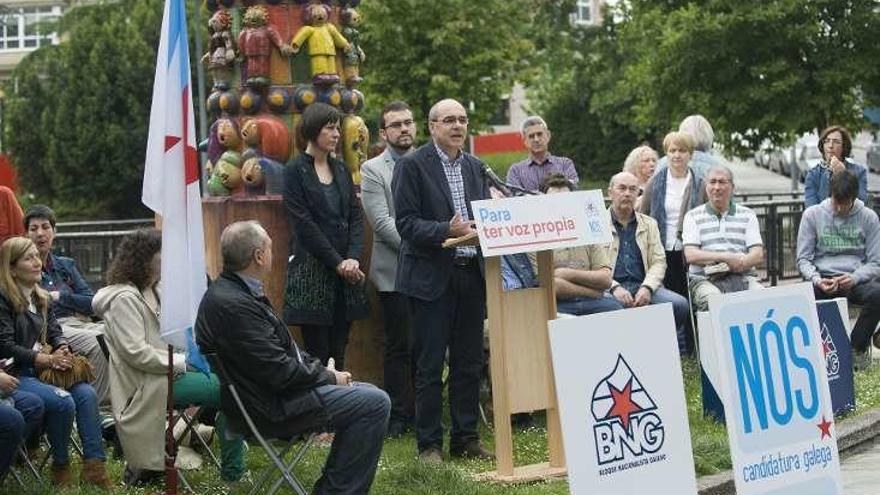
(433, 188)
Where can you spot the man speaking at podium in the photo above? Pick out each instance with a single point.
(433, 188)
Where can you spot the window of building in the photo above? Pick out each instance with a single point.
(25, 29)
(502, 113)
(583, 13)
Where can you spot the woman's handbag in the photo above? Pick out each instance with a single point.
(80, 370)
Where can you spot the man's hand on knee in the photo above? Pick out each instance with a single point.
(342, 377)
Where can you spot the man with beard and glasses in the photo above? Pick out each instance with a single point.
(398, 131)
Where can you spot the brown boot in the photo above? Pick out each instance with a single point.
(61, 475)
(94, 473)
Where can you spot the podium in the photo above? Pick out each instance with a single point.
(520, 364)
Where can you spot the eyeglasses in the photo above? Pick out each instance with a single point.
(622, 189)
(452, 119)
(400, 124)
(718, 182)
(832, 141)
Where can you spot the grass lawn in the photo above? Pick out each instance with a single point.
(400, 472)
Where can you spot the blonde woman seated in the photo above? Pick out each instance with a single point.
(27, 326)
(130, 306)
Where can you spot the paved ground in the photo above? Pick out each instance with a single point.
(751, 178)
(861, 472)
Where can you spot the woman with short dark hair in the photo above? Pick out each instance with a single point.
(130, 306)
(325, 283)
(835, 144)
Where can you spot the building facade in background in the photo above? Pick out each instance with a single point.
(513, 108)
(23, 29)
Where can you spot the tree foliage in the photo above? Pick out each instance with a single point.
(757, 70)
(77, 113)
(422, 52)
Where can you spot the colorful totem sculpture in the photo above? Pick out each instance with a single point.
(270, 59)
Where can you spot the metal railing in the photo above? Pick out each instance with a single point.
(92, 244)
(779, 222)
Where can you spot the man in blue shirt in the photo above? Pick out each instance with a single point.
(637, 256)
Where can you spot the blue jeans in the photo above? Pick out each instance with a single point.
(60, 408)
(680, 309)
(17, 422)
(359, 416)
(580, 306)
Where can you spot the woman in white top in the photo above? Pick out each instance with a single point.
(667, 197)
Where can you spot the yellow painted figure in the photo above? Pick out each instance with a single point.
(355, 140)
(322, 39)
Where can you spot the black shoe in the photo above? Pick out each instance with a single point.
(431, 455)
(141, 477)
(522, 421)
(396, 428)
(472, 450)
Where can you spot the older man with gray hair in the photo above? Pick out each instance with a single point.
(529, 173)
(722, 241)
(638, 260)
(285, 390)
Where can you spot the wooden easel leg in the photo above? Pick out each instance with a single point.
(503, 443)
(554, 439)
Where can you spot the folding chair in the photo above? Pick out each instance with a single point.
(22, 457)
(74, 442)
(191, 420)
(277, 456)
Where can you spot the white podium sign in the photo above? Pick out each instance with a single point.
(548, 221)
(621, 402)
(775, 392)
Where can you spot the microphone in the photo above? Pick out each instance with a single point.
(494, 180)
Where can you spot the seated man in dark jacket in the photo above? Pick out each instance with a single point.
(285, 390)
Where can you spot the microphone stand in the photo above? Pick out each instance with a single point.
(509, 190)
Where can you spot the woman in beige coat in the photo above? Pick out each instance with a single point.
(130, 306)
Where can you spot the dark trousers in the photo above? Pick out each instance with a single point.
(453, 321)
(676, 273)
(868, 295)
(358, 415)
(676, 281)
(17, 422)
(329, 341)
(398, 356)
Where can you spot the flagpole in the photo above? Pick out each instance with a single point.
(170, 447)
(200, 77)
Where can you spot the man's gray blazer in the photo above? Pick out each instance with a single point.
(376, 175)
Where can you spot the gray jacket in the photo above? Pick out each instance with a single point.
(376, 175)
(830, 245)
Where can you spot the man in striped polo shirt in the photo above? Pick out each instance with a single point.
(722, 242)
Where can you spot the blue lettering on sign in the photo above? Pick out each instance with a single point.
(772, 346)
(490, 215)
